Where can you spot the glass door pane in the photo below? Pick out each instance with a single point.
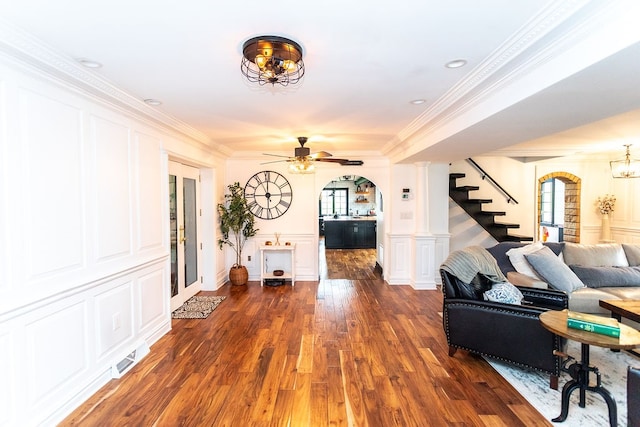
(190, 232)
(173, 229)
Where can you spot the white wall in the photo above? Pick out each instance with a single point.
(84, 248)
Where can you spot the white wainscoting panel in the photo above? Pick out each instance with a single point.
(307, 257)
(111, 192)
(6, 377)
(400, 263)
(51, 185)
(149, 195)
(153, 301)
(114, 309)
(57, 352)
(4, 197)
(424, 256)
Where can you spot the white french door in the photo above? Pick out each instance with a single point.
(184, 209)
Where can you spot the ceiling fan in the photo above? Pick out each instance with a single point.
(302, 160)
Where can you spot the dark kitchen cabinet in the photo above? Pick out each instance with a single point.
(350, 234)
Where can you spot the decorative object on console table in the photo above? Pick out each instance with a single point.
(236, 219)
(592, 323)
(605, 206)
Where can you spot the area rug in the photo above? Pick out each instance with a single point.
(197, 307)
(534, 386)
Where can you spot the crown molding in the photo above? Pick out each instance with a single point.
(557, 29)
(27, 51)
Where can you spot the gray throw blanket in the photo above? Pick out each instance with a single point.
(466, 263)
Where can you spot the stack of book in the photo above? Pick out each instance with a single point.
(593, 323)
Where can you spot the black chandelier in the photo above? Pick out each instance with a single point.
(272, 59)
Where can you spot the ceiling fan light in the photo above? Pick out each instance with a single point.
(301, 166)
(625, 168)
(272, 59)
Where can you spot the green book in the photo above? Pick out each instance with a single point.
(612, 331)
(592, 318)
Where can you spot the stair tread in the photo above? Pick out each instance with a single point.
(506, 225)
(457, 175)
(492, 213)
(467, 188)
(479, 200)
(519, 238)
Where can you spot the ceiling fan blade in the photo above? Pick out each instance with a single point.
(275, 155)
(343, 162)
(320, 155)
(276, 161)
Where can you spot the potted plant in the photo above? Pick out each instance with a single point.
(237, 226)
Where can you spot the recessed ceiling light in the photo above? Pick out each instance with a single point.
(89, 63)
(154, 102)
(456, 63)
(417, 101)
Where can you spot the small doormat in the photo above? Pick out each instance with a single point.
(197, 307)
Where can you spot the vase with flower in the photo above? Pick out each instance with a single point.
(605, 206)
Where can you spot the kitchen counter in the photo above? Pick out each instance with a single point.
(350, 218)
(350, 232)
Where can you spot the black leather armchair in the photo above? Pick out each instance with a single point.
(511, 333)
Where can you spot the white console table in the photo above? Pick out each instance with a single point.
(278, 257)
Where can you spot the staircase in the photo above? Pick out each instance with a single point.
(487, 219)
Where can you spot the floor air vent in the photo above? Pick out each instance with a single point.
(122, 367)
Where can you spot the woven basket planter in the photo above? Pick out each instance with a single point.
(238, 276)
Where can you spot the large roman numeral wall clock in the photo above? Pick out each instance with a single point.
(268, 194)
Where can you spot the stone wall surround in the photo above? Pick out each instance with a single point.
(572, 203)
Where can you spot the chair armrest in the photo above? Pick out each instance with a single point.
(545, 298)
(520, 279)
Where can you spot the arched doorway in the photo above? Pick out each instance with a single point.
(350, 220)
(570, 200)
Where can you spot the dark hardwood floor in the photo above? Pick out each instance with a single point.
(353, 352)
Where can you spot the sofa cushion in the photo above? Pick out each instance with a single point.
(499, 252)
(516, 256)
(504, 292)
(608, 254)
(633, 253)
(587, 300)
(599, 277)
(555, 272)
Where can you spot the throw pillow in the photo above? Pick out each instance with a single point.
(598, 277)
(499, 252)
(633, 253)
(517, 258)
(607, 254)
(504, 292)
(553, 271)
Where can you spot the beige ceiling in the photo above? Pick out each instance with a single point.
(534, 69)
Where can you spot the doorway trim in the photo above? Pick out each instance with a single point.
(572, 193)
